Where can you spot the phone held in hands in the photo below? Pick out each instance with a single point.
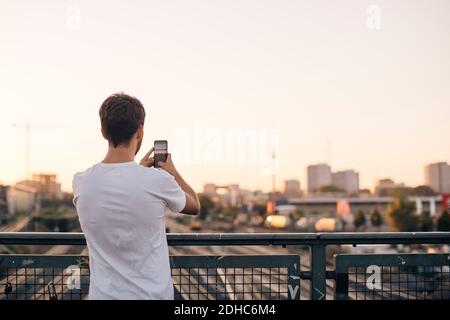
(160, 151)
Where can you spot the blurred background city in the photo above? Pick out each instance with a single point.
(330, 201)
(338, 111)
(339, 121)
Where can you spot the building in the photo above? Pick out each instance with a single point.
(46, 186)
(292, 189)
(258, 197)
(235, 199)
(437, 177)
(383, 184)
(228, 195)
(21, 198)
(319, 175)
(347, 180)
(210, 189)
(317, 207)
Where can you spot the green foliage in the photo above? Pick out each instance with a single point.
(425, 222)
(328, 189)
(401, 215)
(376, 219)
(53, 207)
(359, 219)
(207, 206)
(260, 209)
(423, 191)
(443, 222)
(420, 191)
(231, 211)
(300, 214)
(393, 192)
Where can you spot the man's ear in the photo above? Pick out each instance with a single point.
(104, 134)
(140, 132)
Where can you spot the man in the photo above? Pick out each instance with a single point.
(121, 205)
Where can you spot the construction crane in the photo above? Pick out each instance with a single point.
(27, 126)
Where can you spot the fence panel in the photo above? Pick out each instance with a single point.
(246, 277)
(393, 277)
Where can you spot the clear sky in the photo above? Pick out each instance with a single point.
(313, 71)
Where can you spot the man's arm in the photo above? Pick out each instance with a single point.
(192, 204)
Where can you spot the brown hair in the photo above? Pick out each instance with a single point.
(120, 116)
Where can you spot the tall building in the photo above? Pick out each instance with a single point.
(437, 177)
(319, 175)
(292, 188)
(347, 180)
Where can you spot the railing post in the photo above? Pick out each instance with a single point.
(318, 272)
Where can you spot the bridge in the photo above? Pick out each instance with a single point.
(238, 266)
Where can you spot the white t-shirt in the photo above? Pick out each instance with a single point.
(121, 210)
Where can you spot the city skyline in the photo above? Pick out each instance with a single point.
(345, 180)
(336, 91)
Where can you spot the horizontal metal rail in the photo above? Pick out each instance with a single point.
(317, 242)
(230, 239)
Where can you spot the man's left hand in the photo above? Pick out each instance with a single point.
(148, 160)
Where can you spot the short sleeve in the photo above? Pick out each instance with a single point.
(172, 194)
(77, 185)
(75, 188)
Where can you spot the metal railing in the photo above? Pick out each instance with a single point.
(373, 276)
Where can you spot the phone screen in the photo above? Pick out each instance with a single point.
(160, 150)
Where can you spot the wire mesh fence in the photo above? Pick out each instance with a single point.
(43, 277)
(393, 277)
(243, 277)
(240, 277)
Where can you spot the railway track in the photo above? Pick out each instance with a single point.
(243, 250)
(21, 287)
(19, 225)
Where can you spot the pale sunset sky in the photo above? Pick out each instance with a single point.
(314, 71)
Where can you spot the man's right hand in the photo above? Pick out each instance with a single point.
(168, 166)
(192, 204)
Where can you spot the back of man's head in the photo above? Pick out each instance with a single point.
(120, 116)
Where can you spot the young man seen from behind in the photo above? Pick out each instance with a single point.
(121, 206)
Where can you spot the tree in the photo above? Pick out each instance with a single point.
(329, 189)
(425, 222)
(423, 191)
(376, 220)
(260, 209)
(359, 220)
(419, 191)
(300, 214)
(443, 222)
(401, 214)
(206, 205)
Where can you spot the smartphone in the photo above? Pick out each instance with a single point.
(160, 151)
